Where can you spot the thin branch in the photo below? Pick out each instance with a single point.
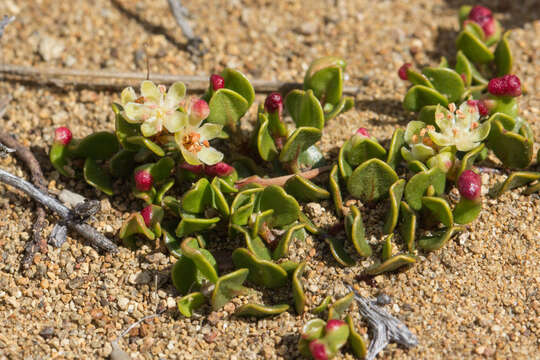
(195, 44)
(94, 237)
(113, 79)
(281, 180)
(385, 327)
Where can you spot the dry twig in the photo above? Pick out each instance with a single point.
(281, 180)
(195, 44)
(114, 80)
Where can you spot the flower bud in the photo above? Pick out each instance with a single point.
(217, 81)
(470, 185)
(318, 350)
(147, 215)
(143, 180)
(507, 85)
(483, 17)
(195, 169)
(273, 103)
(220, 169)
(480, 105)
(402, 72)
(362, 131)
(62, 135)
(199, 110)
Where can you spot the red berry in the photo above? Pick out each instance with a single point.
(402, 72)
(147, 215)
(480, 105)
(196, 169)
(143, 180)
(218, 82)
(489, 28)
(63, 135)
(363, 131)
(219, 169)
(507, 85)
(480, 15)
(318, 350)
(470, 185)
(334, 324)
(273, 103)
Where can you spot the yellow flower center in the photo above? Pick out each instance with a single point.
(191, 142)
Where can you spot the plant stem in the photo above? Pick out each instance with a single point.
(281, 180)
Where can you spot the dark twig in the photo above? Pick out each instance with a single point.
(385, 327)
(114, 80)
(94, 237)
(281, 180)
(195, 44)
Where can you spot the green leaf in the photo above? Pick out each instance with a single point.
(304, 190)
(321, 308)
(293, 103)
(191, 225)
(184, 275)
(439, 208)
(417, 166)
(308, 224)
(141, 141)
(310, 158)
(101, 145)
(172, 243)
(354, 227)
(345, 104)
(191, 302)
(286, 208)
(514, 180)
(59, 159)
(419, 184)
(466, 210)
(97, 177)
(124, 130)
(419, 96)
(219, 202)
(163, 190)
(513, 149)
(356, 341)
(464, 66)
(345, 169)
(162, 169)
(338, 308)
(198, 198)
(503, 56)
(298, 289)
(254, 243)
(387, 247)
(393, 263)
(261, 310)
(408, 226)
(333, 184)
(394, 154)
(310, 113)
(122, 163)
(265, 143)
(133, 225)
(282, 248)
(473, 47)
(301, 139)
(337, 248)
(227, 287)
(236, 81)
(200, 258)
(446, 81)
(417, 78)
(435, 242)
(261, 272)
(396, 193)
(325, 78)
(469, 158)
(227, 107)
(371, 180)
(314, 328)
(362, 149)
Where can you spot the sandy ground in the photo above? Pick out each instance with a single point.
(477, 297)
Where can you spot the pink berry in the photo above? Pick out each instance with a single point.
(507, 85)
(480, 15)
(489, 28)
(147, 215)
(318, 350)
(402, 72)
(196, 169)
(273, 103)
(218, 82)
(63, 135)
(200, 110)
(469, 185)
(219, 169)
(334, 324)
(363, 131)
(480, 105)
(143, 180)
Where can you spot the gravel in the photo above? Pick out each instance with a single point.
(477, 297)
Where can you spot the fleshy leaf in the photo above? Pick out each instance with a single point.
(371, 180)
(198, 198)
(261, 310)
(394, 155)
(254, 243)
(466, 210)
(261, 272)
(437, 241)
(354, 227)
(59, 159)
(282, 248)
(97, 177)
(419, 96)
(396, 193)
(418, 185)
(310, 112)
(190, 303)
(338, 308)
(337, 248)
(439, 208)
(298, 289)
(227, 107)
(236, 81)
(503, 56)
(227, 287)
(101, 145)
(200, 258)
(407, 228)
(133, 225)
(362, 149)
(356, 341)
(191, 225)
(122, 163)
(265, 144)
(473, 47)
(304, 190)
(393, 263)
(301, 139)
(464, 67)
(513, 149)
(286, 208)
(446, 81)
(514, 180)
(333, 185)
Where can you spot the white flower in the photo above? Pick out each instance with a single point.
(193, 139)
(420, 144)
(459, 128)
(154, 109)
